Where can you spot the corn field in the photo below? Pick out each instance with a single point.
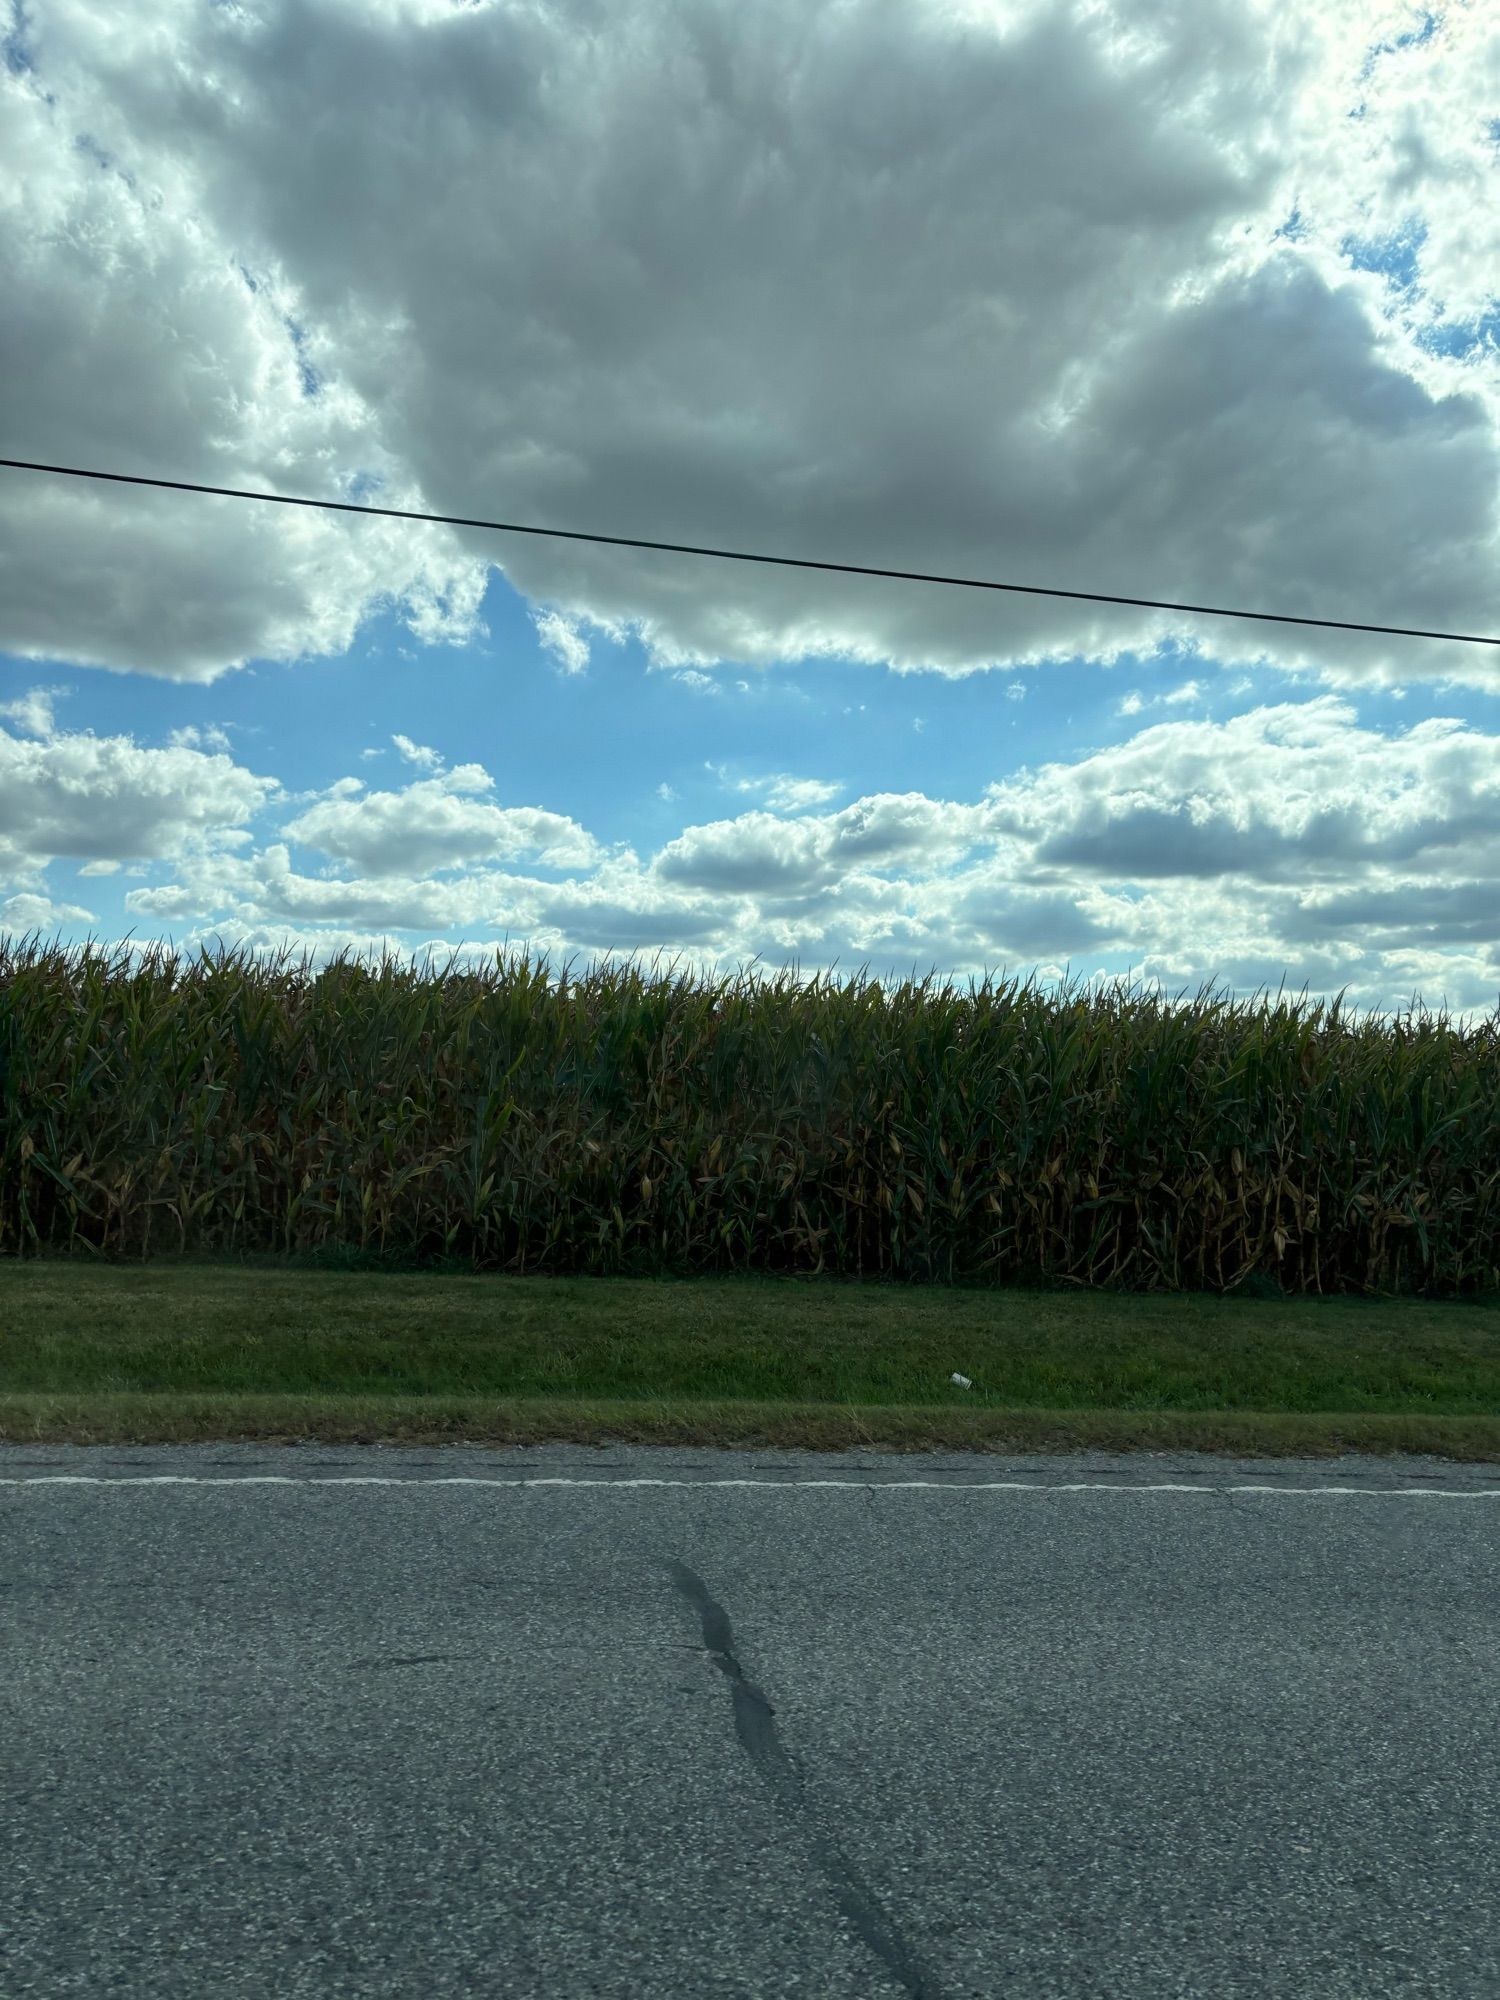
(618, 1126)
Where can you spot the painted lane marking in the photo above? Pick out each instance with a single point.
(857, 1485)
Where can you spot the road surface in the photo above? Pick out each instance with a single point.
(1117, 1727)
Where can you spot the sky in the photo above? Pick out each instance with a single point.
(1182, 299)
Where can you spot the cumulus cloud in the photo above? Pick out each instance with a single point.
(1289, 836)
(1294, 798)
(26, 912)
(33, 711)
(430, 826)
(1037, 291)
(87, 798)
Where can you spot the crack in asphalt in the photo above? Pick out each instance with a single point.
(410, 1660)
(753, 1723)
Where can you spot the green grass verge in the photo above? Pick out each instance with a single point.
(193, 1350)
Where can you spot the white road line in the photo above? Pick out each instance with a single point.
(859, 1485)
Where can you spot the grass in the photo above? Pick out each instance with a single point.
(280, 1349)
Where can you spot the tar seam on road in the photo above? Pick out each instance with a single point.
(757, 1733)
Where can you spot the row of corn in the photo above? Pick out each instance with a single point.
(619, 1125)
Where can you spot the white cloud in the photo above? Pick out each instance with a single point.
(1298, 801)
(417, 753)
(429, 826)
(24, 913)
(783, 793)
(563, 640)
(87, 798)
(786, 794)
(761, 853)
(33, 711)
(190, 737)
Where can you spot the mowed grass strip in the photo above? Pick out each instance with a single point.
(196, 1350)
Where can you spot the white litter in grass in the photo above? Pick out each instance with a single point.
(962, 1381)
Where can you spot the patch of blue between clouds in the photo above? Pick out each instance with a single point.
(1454, 338)
(1396, 258)
(1412, 39)
(1393, 257)
(13, 42)
(312, 381)
(86, 143)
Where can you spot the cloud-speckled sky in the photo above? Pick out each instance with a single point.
(1189, 299)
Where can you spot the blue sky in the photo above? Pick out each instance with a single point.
(1243, 351)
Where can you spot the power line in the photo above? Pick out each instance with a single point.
(740, 555)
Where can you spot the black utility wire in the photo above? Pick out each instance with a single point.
(739, 555)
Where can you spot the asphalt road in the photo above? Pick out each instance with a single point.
(273, 1737)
